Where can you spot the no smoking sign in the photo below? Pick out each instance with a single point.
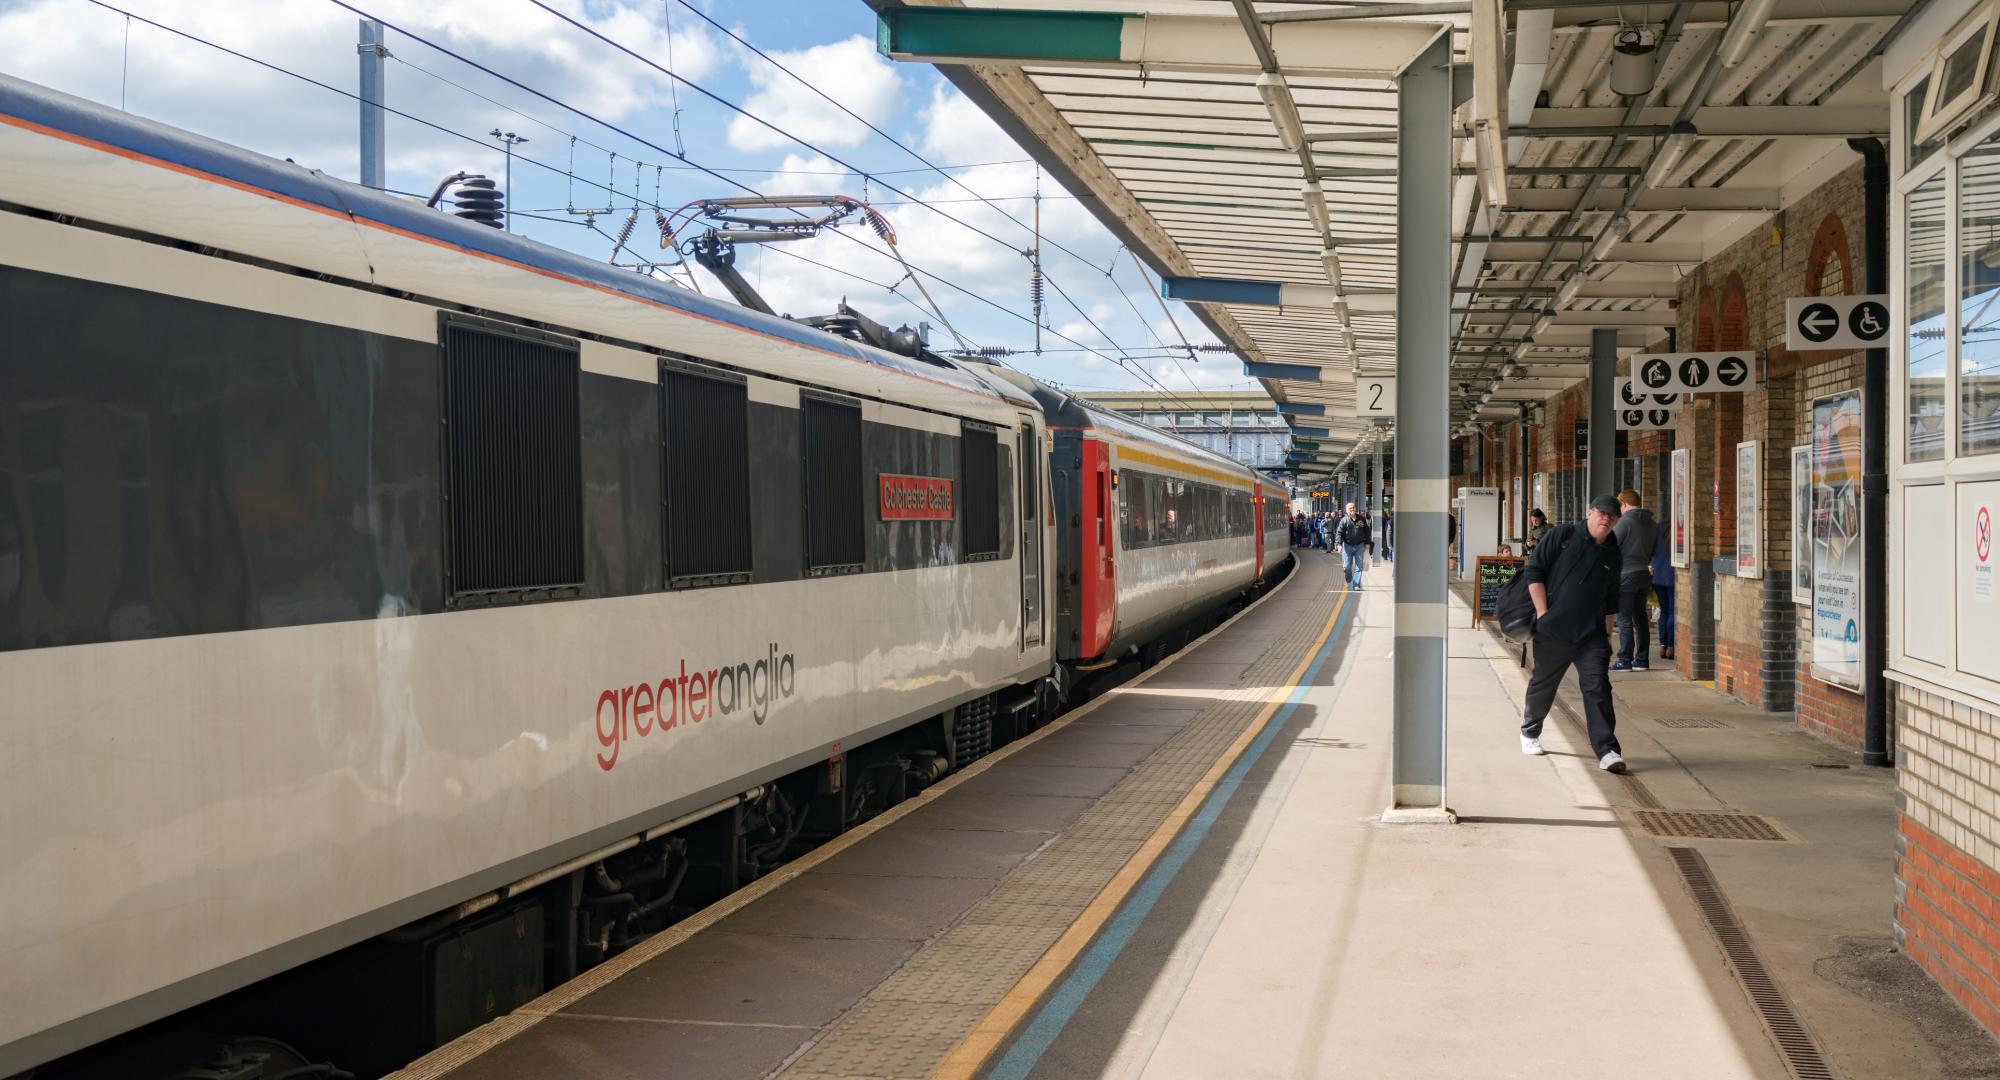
(1982, 553)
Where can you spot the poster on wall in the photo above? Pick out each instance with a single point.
(1678, 553)
(1518, 514)
(1749, 523)
(1836, 540)
(1802, 525)
(1541, 500)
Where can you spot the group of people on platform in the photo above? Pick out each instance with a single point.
(1349, 534)
(1582, 577)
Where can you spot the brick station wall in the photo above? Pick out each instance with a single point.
(1737, 300)
(1947, 910)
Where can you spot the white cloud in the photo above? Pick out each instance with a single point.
(84, 51)
(848, 71)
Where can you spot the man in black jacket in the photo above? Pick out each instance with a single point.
(1573, 579)
(1353, 539)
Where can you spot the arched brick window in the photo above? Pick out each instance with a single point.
(1733, 316)
(1704, 320)
(1829, 266)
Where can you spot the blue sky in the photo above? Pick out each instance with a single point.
(86, 49)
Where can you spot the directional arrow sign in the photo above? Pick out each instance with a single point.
(1836, 323)
(1674, 374)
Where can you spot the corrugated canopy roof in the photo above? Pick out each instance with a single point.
(1187, 163)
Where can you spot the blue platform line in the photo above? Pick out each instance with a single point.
(1061, 1007)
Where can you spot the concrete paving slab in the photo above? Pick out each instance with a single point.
(995, 810)
(606, 1049)
(723, 977)
(909, 851)
(1532, 942)
(906, 908)
(1075, 781)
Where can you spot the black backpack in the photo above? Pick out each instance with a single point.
(1513, 608)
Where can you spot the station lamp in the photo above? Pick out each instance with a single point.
(1284, 112)
(1671, 151)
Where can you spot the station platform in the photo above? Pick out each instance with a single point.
(1188, 878)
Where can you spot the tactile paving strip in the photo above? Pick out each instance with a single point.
(916, 1017)
(1707, 825)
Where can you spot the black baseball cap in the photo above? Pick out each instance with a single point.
(1607, 504)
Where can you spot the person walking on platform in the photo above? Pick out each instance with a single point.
(1573, 578)
(1638, 536)
(1355, 541)
(1538, 527)
(1663, 587)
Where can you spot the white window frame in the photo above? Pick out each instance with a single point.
(1952, 469)
(1939, 116)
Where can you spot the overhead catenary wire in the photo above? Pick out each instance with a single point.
(775, 129)
(665, 151)
(474, 140)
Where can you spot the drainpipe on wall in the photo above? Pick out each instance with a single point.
(1875, 748)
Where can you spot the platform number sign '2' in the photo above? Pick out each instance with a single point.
(1375, 396)
(1695, 373)
(1836, 323)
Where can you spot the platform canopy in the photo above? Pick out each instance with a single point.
(1246, 151)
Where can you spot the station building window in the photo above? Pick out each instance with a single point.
(1945, 399)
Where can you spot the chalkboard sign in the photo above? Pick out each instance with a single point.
(1491, 574)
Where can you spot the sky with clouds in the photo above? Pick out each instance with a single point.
(964, 229)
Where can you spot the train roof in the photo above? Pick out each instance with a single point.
(28, 107)
(1066, 411)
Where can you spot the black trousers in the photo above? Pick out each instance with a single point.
(1591, 658)
(1635, 642)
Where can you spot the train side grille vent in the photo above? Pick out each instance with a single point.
(513, 463)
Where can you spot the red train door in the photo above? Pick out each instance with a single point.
(1257, 522)
(1098, 596)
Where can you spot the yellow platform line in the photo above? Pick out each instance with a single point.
(965, 1059)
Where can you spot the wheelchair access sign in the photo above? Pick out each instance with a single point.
(1836, 323)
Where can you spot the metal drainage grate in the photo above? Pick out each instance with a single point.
(1704, 825)
(1795, 1044)
(1692, 722)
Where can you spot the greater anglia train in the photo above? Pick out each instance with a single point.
(390, 601)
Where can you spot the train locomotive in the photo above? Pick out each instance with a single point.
(385, 596)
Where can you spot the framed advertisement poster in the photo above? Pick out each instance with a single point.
(1802, 490)
(1749, 523)
(1836, 540)
(1682, 542)
(1541, 499)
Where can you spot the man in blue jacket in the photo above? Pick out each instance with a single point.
(1573, 579)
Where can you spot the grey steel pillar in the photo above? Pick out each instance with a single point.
(1603, 421)
(373, 131)
(1423, 421)
(1374, 507)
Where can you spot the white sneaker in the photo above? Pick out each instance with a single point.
(1612, 763)
(1532, 747)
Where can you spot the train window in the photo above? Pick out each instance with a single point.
(513, 463)
(836, 536)
(1031, 473)
(979, 495)
(705, 447)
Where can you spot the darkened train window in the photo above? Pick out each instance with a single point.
(1031, 484)
(513, 463)
(979, 490)
(836, 525)
(705, 458)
